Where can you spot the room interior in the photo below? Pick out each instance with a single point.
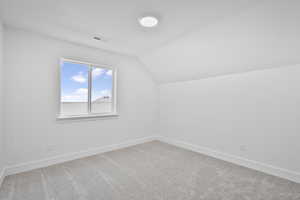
(149, 100)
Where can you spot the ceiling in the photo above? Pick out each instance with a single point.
(265, 36)
(194, 38)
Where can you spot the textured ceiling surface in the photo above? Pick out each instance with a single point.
(194, 39)
(262, 37)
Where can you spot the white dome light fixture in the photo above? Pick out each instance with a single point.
(148, 21)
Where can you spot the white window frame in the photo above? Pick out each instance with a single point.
(114, 112)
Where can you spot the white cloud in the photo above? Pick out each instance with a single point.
(81, 91)
(79, 95)
(71, 98)
(109, 72)
(105, 93)
(97, 72)
(79, 78)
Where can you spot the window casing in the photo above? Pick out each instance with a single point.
(86, 90)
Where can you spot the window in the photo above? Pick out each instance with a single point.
(86, 90)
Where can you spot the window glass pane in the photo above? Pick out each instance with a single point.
(102, 84)
(74, 88)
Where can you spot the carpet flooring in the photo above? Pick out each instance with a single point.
(149, 171)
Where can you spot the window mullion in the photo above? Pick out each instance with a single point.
(90, 89)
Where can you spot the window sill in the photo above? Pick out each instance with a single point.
(86, 116)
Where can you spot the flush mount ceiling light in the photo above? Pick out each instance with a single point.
(148, 21)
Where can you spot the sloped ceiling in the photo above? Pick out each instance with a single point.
(265, 36)
(195, 39)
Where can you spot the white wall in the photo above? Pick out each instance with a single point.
(31, 97)
(2, 153)
(254, 115)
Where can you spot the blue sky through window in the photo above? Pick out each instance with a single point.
(101, 83)
(74, 82)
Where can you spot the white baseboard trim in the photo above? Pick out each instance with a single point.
(268, 169)
(15, 169)
(2, 175)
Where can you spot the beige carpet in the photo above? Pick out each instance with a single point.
(152, 170)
